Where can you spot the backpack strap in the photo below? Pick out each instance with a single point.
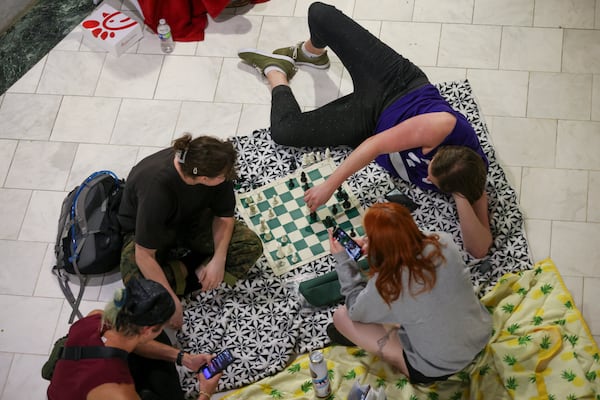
(77, 353)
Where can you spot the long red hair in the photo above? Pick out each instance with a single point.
(396, 244)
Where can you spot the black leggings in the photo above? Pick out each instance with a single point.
(380, 75)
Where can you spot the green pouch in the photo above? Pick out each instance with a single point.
(55, 355)
(323, 290)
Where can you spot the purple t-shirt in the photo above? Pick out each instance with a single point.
(411, 165)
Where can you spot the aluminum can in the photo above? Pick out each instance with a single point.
(319, 374)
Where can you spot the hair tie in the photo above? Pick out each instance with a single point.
(181, 154)
(195, 171)
(119, 303)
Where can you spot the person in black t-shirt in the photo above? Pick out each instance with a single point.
(177, 214)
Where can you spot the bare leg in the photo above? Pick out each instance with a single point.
(374, 338)
(276, 77)
(312, 49)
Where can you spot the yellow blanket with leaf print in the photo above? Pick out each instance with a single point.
(541, 348)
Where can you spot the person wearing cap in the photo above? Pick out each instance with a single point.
(133, 322)
(177, 214)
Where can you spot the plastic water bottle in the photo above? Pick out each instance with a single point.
(164, 34)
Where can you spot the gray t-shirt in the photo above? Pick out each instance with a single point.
(441, 330)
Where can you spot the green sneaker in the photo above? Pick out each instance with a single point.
(296, 53)
(261, 60)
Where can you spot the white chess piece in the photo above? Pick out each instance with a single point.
(271, 213)
(284, 239)
(295, 258)
(327, 153)
(253, 209)
(290, 249)
(249, 200)
(280, 253)
(275, 201)
(268, 235)
(259, 196)
(317, 157)
(263, 226)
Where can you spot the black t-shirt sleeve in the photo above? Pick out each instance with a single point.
(223, 200)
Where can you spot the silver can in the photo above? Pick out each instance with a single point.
(319, 374)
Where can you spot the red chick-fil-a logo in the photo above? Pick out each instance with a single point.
(112, 22)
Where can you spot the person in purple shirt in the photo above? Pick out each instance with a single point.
(394, 116)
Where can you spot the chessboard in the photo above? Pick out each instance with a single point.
(292, 236)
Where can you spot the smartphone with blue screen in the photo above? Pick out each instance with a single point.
(352, 248)
(217, 364)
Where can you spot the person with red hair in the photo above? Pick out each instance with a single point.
(416, 308)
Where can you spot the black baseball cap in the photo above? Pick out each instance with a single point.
(148, 302)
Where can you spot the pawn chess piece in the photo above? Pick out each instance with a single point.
(271, 214)
(259, 196)
(275, 201)
(295, 258)
(268, 236)
(346, 204)
(291, 184)
(249, 200)
(263, 226)
(327, 153)
(253, 209)
(303, 177)
(284, 239)
(280, 253)
(352, 233)
(334, 209)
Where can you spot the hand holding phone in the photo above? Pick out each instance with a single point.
(217, 364)
(352, 248)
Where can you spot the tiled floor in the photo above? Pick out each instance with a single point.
(534, 67)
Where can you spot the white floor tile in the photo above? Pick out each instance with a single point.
(539, 233)
(25, 381)
(501, 93)
(241, 83)
(14, 204)
(130, 75)
(7, 152)
(439, 75)
(594, 197)
(146, 122)
(388, 10)
(505, 12)
(459, 12)
(47, 284)
(28, 116)
(577, 145)
(30, 81)
(118, 159)
(71, 42)
(527, 142)
(565, 14)
(5, 363)
(478, 46)
(575, 286)
(31, 335)
(150, 44)
(41, 219)
(279, 7)
(513, 174)
(276, 32)
(574, 248)
(591, 301)
(581, 51)
(212, 119)
(570, 94)
(71, 73)
(226, 34)
(40, 165)
(62, 325)
(188, 78)
(346, 6)
(554, 194)
(22, 259)
(313, 87)
(254, 116)
(416, 41)
(533, 49)
(86, 119)
(596, 98)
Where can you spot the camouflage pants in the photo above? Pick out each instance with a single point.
(244, 249)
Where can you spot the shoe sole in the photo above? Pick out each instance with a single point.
(265, 54)
(312, 65)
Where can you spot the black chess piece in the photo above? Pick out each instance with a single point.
(334, 209)
(313, 216)
(305, 186)
(352, 233)
(303, 177)
(346, 204)
(329, 221)
(291, 184)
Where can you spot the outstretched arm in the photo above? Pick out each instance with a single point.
(474, 224)
(424, 131)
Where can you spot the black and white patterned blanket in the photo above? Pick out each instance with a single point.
(265, 322)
